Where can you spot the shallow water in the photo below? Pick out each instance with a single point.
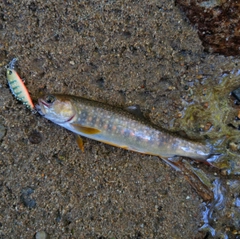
(222, 216)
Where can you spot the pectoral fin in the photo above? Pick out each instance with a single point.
(80, 142)
(85, 130)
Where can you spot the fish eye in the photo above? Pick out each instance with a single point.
(50, 99)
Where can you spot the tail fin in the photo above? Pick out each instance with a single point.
(226, 155)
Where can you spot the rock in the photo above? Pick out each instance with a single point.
(236, 93)
(218, 24)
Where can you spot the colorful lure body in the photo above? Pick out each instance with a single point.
(17, 86)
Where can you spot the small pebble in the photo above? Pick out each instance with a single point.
(35, 137)
(233, 146)
(207, 126)
(205, 105)
(42, 235)
(26, 198)
(179, 115)
(171, 88)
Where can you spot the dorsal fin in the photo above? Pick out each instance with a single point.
(135, 110)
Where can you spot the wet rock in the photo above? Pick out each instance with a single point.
(42, 235)
(35, 137)
(26, 198)
(236, 94)
(218, 24)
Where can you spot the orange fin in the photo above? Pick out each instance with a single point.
(85, 130)
(80, 142)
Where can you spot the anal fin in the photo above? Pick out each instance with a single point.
(80, 142)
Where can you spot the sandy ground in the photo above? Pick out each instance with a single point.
(119, 52)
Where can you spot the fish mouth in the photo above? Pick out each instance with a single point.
(39, 107)
(43, 102)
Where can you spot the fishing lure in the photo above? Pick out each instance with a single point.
(17, 86)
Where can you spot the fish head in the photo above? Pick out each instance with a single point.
(57, 108)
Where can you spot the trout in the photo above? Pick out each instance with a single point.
(117, 127)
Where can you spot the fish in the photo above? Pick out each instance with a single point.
(117, 127)
(17, 86)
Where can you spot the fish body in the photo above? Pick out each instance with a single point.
(17, 86)
(117, 127)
